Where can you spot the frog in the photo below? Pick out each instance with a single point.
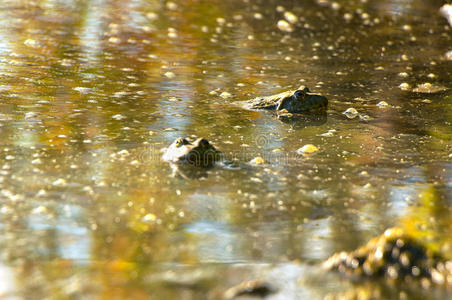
(300, 101)
(200, 153)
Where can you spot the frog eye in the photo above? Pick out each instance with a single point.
(300, 94)
(181, 141)
(204, 143)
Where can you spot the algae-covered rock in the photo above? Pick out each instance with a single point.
(394, 255)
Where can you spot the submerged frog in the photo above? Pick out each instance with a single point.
(200, 153)
(291, 102)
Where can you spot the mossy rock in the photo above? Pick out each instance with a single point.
(393, 255)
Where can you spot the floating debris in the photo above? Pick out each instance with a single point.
(308, 149)
(284, 26)
(258, 16)
(351, 113)
(290, 17)
(348, 17)
(404, 86)
(123, 152)
(114, 40)
(169, 75)
(280, 8)
(30, 115)
(171, 5)
(172, 33)
(149, 218)
(67, 62)
(258, 160)
(335, 6)
(39, 210)
(82, 90)
(152, 16)
(225, 95)
(221, 21)
(252, 288)
(59, 182)
(118, 117)
(31, 43)
(329, 133)
(365, 117)
(428, 88)
(382, 104)
(446, 11)
(36, 161)
(448, 55)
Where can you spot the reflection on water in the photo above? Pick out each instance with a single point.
(92, 90)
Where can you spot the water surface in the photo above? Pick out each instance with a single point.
(91, 90)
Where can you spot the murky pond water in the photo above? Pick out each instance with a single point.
(91, 90)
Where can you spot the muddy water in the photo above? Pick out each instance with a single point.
(92, 90)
